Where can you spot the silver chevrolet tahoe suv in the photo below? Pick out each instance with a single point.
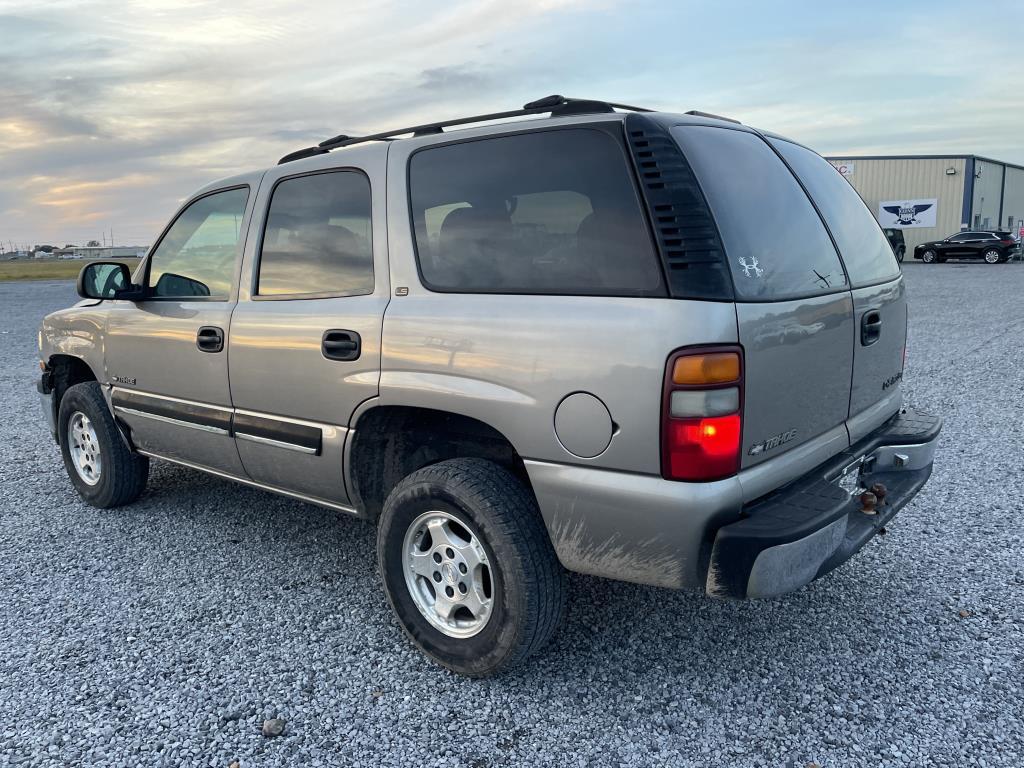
(665, 348)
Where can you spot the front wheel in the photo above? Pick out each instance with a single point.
(929, 257)
(992, 256)
(900, 253)
(468, 567)
(104, 470)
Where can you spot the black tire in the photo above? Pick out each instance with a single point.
(929, 257)
(993, 256)
(528, 583)
(123, 474)
(901, 251)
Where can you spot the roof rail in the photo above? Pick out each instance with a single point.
(698, 113)
(557, 106)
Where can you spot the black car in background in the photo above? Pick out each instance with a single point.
(899, 245)
(990, 245)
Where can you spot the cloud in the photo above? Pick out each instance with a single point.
(111, 113)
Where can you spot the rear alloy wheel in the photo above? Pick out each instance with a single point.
(468, 566)
(448, 573)
(929, 257)
(992, 256)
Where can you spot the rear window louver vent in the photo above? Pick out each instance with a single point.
(688, 241)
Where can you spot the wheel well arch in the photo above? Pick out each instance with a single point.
(68, 371)
(390, 441)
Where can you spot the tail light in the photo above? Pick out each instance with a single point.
(1008, 241)
(701, 419)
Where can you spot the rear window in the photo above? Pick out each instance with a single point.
(866, 254)
(776, 245)
(549, 212)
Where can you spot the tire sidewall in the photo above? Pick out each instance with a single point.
(490, 648)
(999, 256)
(926, 260)
(77, 400)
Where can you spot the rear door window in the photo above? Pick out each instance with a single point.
(776, 244)
(317, 239)
(866, 254)
(547, 212)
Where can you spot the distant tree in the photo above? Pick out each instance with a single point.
(44, 248)
(70, 245)
(92, 244)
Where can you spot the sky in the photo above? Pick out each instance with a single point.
(113, 112)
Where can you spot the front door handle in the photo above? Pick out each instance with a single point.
(870, 327)
(210, 339)
(340, 345)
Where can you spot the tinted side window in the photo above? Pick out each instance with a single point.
(197, 255)
(549, 212)
(775, 243)
(317, 238)
(866, 254)
(962, 237)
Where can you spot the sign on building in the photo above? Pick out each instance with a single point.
(845, 168)
(906, 214)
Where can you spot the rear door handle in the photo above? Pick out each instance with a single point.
(210, 338)
(340, 345)
(870, 327)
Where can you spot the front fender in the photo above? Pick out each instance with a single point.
(77, 332)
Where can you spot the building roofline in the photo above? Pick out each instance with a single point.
(925, 157)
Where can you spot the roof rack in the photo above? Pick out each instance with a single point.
(556, 106)
(713, 116)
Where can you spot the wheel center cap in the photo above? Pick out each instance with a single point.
(450, 573)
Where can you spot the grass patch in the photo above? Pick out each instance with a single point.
(49, 269)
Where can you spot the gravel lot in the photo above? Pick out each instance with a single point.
(166, 632)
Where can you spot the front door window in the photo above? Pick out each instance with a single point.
(196, 258)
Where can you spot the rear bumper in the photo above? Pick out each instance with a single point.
(814, 524)
(710, 536)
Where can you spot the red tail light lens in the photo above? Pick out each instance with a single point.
(700, 440)
(703, 449)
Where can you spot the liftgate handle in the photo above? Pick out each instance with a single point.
(870, 327)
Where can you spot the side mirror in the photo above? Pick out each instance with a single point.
(103, 280)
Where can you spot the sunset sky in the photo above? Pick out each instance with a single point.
(112, 112)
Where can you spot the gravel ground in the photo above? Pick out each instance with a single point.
(166, 632)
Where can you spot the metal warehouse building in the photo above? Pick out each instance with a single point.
(933, 196)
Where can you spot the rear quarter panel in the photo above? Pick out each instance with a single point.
(510, 360)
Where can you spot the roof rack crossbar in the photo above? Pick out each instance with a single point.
(555, 105)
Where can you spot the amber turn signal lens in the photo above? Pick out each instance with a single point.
(713, 368)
